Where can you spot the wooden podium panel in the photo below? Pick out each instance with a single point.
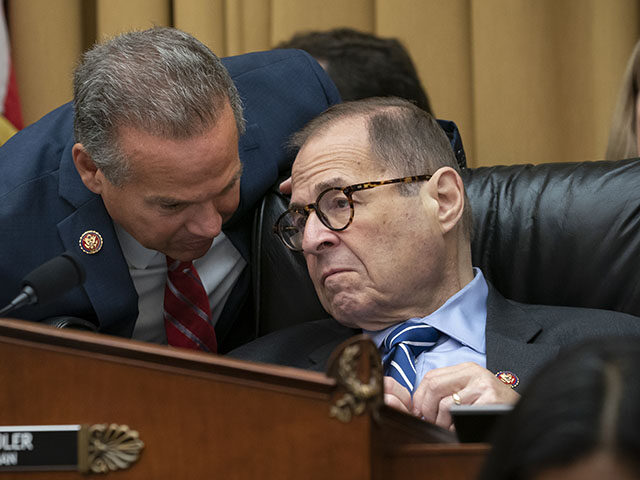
(435, 461)
(204, 416)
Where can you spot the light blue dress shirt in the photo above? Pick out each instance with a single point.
(461, 322)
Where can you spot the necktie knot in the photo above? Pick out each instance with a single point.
(178, 267)
(402, 346)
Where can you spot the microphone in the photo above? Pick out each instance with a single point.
(48, 281)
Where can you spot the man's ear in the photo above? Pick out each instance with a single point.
(448, 191)
(89, 173)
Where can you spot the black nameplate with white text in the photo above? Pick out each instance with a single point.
(44, 447)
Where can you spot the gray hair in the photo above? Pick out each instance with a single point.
(622, 136)
(403, 139)
(162, 81)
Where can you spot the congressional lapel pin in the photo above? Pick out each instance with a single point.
(90, 242)
(509, 378)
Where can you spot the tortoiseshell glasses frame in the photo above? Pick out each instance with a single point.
(334, 208)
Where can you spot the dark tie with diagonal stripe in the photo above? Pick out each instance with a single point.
(402, 346)
(187, 314)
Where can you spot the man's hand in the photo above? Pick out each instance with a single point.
(475, 385)
(285, 187)
(396, 396)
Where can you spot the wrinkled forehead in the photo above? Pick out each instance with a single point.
(339, 150)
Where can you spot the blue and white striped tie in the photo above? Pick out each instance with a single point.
(402, 346)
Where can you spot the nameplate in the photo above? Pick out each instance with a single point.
(44, 447)
(88, 449)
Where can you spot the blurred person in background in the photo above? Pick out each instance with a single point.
(363, 65)
(623, 137)
(577, 419)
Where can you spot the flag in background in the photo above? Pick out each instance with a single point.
(9, 101)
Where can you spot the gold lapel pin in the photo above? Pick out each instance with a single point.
(509, 378)
(90, 242)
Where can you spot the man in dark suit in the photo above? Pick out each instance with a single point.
(165, 164)
(379, 211)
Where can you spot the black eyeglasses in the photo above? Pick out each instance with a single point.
(334, 208)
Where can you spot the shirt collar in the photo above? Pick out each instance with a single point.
(462, 317)
(137, 256)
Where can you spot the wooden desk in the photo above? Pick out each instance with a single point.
(204, 416)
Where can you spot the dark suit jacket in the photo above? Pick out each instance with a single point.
(519, 337)
(45, 207)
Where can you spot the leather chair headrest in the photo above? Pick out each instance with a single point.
(559, 233)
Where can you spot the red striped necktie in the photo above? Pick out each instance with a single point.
(187, 314)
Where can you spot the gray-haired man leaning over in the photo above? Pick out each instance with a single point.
(378, 210)
(150, 178)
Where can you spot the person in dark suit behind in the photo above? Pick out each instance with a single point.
(577, 419)
(363, 65)
(378, 210)
(165, 166)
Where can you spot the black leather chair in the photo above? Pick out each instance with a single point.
(555, 234)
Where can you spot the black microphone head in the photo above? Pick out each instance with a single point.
(55, 277)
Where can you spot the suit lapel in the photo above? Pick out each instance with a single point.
(108, 284)
(319, 357)
(510, 337)
(325, 336)
(257, 177)
(238, 228)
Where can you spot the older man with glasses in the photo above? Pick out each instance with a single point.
(379, 211)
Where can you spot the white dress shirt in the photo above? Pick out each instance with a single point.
(219, 270)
